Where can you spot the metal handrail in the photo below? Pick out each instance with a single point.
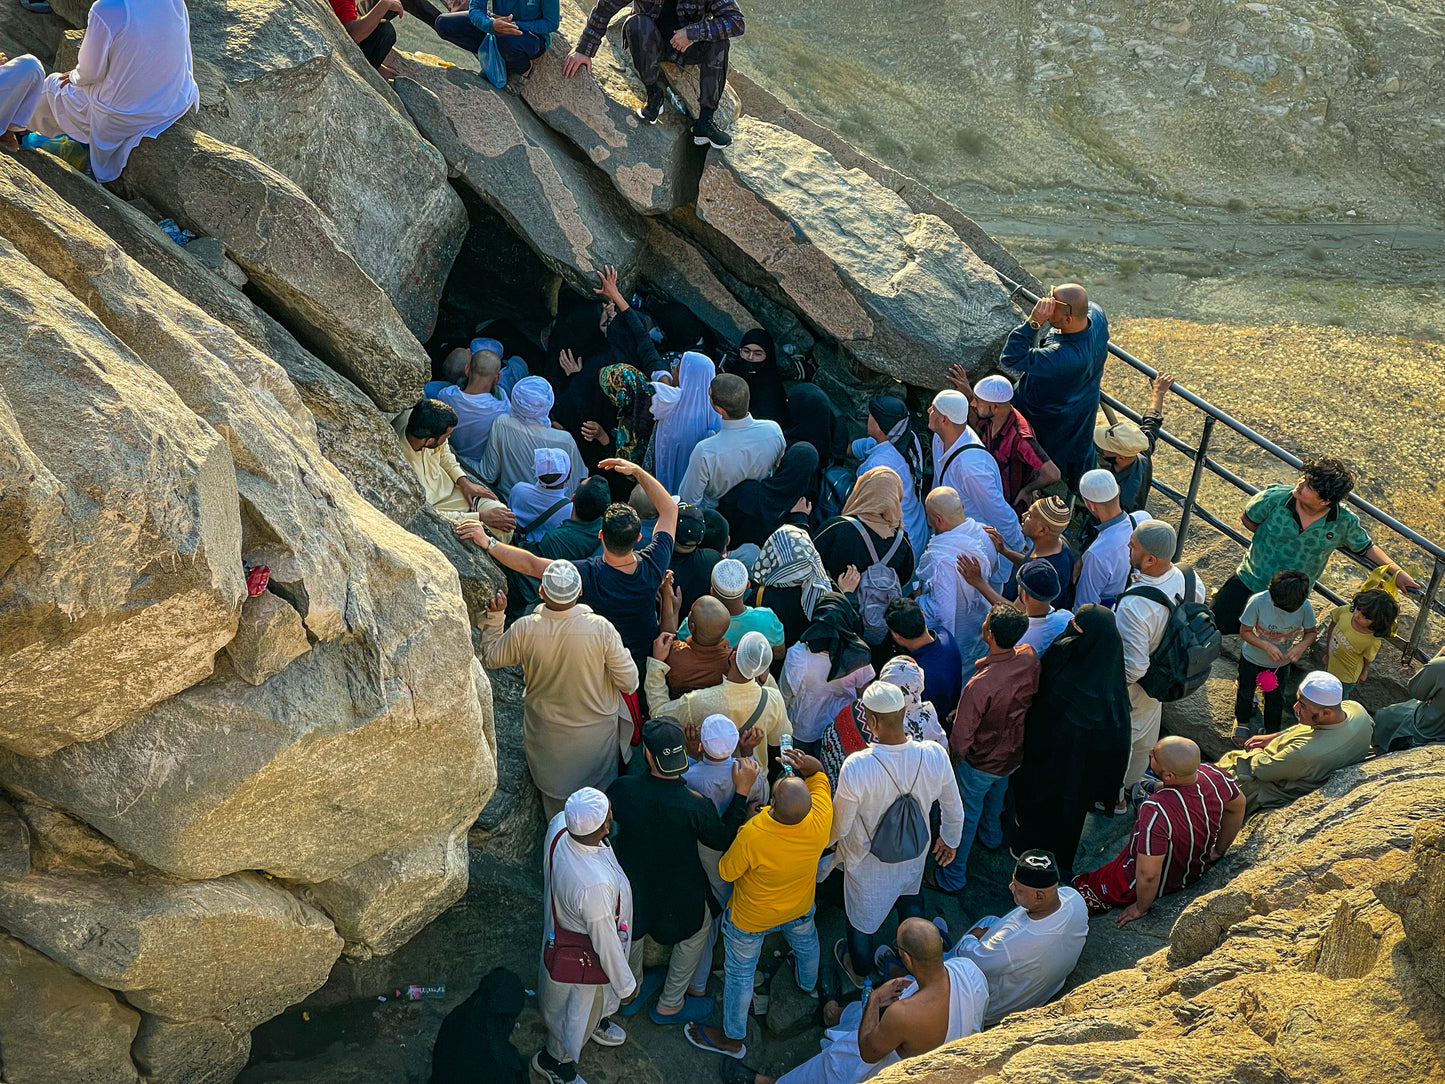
(1188, 502)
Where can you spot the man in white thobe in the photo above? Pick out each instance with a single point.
(132, 81)
(1142, 622)
(1028, 953)
(870, 781)
(576, 670)
(1104, 566)
(961, 461)
(863, 1043)
(948, 600)
(743, 447)
(20, 81)
(587, 892)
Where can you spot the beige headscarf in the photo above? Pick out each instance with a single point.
(877, 500)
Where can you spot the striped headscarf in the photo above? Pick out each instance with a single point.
(787, 558)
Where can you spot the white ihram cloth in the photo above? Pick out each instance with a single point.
(975, 477)
(593, 897)
(871, 779)
(840, 1063)
(20, 81)
(949, 601)
(1026, 960)
(1141, 628)
(132, 81)
(684, 416)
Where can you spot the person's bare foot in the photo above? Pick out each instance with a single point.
(832, 1013)
(717, 1037)
(10, 141)
(387, 73)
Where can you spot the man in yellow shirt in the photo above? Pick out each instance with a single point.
(773, 866)
(425, 430)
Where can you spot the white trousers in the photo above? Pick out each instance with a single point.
(20, 82)
(1145, 714)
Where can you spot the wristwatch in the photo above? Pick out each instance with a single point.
(1035, 325)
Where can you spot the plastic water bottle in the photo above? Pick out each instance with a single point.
(785, 746)
(867, 990)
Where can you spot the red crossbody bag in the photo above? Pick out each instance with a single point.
(569, 957)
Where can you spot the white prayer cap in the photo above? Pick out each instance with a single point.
(586, 811)
(883, 698)
(729, 578)
(994, 389)
(551, 461)
(1098, 486)
(562, 582)
(1323, 688)
(953, 405)
(754, 654)
(719, 736)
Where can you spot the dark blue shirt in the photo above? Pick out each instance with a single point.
(1059, 391)
(1063, 563)
(629, 599)
(942, 673)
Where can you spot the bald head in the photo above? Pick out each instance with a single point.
(454, 365)
(1077, 298)
(944, 508)
(1176, 756)
(486, 363)
(792, 801)
(708, 621)
(921, 944)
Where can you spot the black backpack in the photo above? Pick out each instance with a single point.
(1181, 662)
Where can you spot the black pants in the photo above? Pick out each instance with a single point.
(644, 42)
(1244, 696)
(378, 44)
(1228, 605)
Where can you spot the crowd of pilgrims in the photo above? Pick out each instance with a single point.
(761, 650)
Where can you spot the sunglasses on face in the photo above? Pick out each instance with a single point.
(1069, 309)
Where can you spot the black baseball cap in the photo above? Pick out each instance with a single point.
(1037, 869)
(664, 740)
(690, 525)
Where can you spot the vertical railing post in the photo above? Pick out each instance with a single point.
(1422, 619)
(1194, 479)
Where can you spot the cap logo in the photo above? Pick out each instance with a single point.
(1037, 861)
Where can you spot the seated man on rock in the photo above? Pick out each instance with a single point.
(372, 32)
(424, 431)
(20, 81)
(937, 1002)
(1181, 830)
(680, 31)
(523, 28)
(1332, 732)
(132, 80)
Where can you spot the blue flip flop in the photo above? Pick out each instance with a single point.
(701, 1042)
(694, 1011)
(646, 990)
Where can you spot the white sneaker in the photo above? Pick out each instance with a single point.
(540, 1072)
(606, 1033)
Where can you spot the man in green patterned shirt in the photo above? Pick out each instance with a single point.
(1299, 527)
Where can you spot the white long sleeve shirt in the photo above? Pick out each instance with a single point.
(1025, 960)
(812, 700)
(1104, 567)
(1142, 622)
(593, 896)
(746, 448)
(975, 476)
(870, 781)
(948, 601)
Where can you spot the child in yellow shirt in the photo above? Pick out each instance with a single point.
(1353, 633)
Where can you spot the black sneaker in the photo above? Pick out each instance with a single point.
(649, 113)
(707, 134)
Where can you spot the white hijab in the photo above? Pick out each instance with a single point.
(684, 416)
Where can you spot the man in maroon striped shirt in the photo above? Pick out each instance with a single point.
(1181, 830)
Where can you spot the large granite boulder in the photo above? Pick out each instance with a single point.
(58, 1028)
(1292, 967)
(292, 253)
(655, 167)
(281, 80)
(566, 210)
(898, 290)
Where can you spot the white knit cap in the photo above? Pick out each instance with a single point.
(994, 389)
(719, 736)
(755, 654)
(1323, 688)
(551, 461)
(953, 405)
(586, 811)
(883, 697)
(730, 578)
(1098, 486)
(562, 581)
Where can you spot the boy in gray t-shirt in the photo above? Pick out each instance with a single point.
(1277, 627)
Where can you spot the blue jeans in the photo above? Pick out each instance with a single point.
(861, 945)
(741, 951)
(518, 50)
(983, 796)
